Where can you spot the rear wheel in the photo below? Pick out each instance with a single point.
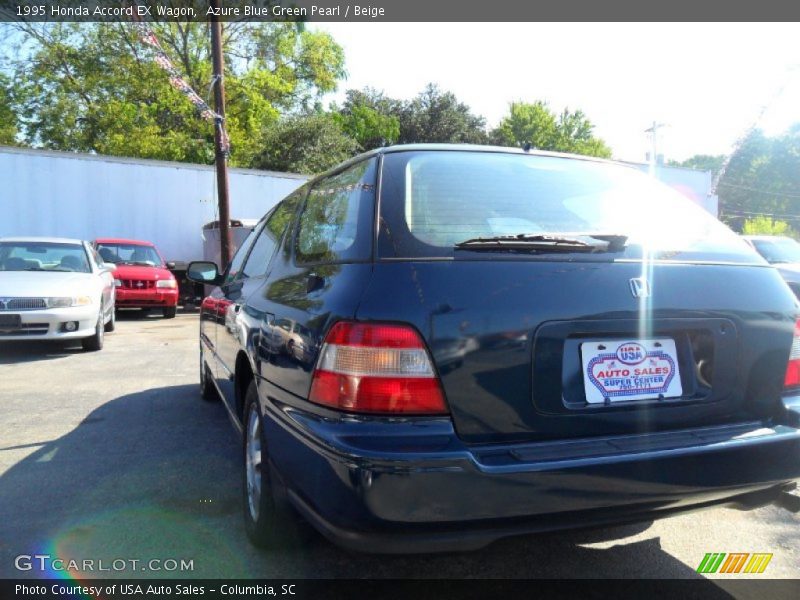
(95, 342)
(269, 519)
(170, 312)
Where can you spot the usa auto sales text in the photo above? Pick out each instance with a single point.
(188, 590)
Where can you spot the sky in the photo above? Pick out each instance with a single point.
(706, 82)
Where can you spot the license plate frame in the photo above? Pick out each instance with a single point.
(10, 321)
(625, 370)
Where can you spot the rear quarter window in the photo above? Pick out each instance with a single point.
(270, 235)
(335, 224)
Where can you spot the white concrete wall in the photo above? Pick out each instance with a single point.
(85, 196)
(695, 185)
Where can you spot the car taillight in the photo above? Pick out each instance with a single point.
(792, 378)
(376, 368)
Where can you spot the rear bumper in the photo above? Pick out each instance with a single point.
(411, 485)
(127, 298)
(473, 536)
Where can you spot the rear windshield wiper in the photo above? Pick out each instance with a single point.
(546, 242)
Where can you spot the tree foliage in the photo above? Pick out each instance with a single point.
(536, 124)
(304, 144)
(369, 127)
(763, 178)
(433, 116)
(761, 225)
(701, 162)
(91, 87)
(8, 118)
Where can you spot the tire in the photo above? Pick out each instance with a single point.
(170, 312)
(269, 520)
(112, 322)
(95, 342)
(207, 390)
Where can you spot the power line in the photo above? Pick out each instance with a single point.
(758, 214)
(751, 189)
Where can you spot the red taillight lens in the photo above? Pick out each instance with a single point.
(792, 378)
(376, 368)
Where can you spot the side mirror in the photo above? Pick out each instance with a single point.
(170, 265)
(203, 272)
(108, 267)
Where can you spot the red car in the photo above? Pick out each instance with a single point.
(141, 277)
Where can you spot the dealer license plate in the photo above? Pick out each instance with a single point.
(622, 370)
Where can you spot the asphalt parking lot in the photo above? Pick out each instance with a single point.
(113, 455)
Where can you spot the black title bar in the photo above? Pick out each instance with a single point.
(403, 10)
(288, 589)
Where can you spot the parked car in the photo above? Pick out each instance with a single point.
(142, 276)
(625, 355)
(54, 289)
(781, 252)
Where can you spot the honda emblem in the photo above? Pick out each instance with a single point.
(640, 287)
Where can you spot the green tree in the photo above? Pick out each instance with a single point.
(8, 118)
(370, 128)
(536, 124)
(701, 162)
(435, 116)
(432, 116)
(371, 98)
(762, 225)
(304, 144)
(763, 177)
(92, 87)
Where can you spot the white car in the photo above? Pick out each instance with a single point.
(54, 289)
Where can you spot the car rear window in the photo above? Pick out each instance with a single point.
(433, 200)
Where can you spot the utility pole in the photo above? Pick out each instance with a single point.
(221, 157)
(654, 145)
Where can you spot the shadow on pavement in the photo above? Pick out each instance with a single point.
(23, 351)
(156, 475)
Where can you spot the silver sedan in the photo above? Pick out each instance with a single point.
(54, 289)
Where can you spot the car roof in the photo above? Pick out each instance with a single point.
(123, 241)
(481, 148)
(766, 238)
(42, 240)
(460, 148)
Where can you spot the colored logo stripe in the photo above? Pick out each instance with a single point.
(758, 563)
(711, 562)
(736, 561)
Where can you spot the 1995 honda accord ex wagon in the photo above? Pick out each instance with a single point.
(432, 347)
